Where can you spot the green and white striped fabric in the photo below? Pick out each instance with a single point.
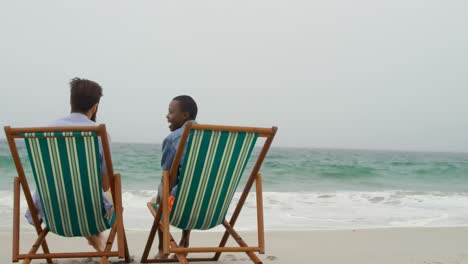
(213, 165)
(66, 168)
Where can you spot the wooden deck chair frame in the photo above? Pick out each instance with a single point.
(169, 244)
(21, 182)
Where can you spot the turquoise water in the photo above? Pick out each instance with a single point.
(301, 170)
(315, 188)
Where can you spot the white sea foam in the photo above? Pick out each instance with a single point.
(312, 210)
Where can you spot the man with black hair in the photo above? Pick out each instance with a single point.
(182, 109)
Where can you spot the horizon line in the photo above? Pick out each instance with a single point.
(323, 148)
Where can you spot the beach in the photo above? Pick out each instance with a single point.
(320, 206)
(358, 246)
(335, 126)
(314, 189)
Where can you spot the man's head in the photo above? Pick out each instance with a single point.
(84, 97)
(181, 109)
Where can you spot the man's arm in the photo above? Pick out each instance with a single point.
(169, 151)
(105, 181)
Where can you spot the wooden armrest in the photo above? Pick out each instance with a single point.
(152, 209)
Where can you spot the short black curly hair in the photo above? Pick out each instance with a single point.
(187, 104)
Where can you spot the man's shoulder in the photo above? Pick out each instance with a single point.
(73, 120)
(174, 136)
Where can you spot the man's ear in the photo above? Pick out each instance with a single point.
(186, 116)
(92, 110)
(95, 107)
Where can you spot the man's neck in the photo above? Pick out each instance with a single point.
(79, 113)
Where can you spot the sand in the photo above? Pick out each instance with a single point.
(374, 246)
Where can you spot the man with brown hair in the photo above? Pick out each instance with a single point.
(84, 100)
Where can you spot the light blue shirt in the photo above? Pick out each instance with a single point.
(77, 119)
(169, 149)
(73, 119)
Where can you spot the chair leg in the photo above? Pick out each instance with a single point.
(241, 242)
(16, 229)
(149, 242)
(181, 257)
(104, 260)
(16, 219)
(45, 248)
(109, 243)
(39, 241)
(37, 244)
(119, 214)
(125, 243)
(127, 254)
(37, 225)
(236, 213)
(110, 239)
(242, 199)
(260, 222)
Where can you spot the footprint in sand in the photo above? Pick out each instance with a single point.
(230, 257)
(121, 261)
(89, 261)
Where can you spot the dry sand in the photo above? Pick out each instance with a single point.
(361, 246)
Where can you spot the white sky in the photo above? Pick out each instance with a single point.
(335, 73)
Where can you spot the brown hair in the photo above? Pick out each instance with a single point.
(84, 94)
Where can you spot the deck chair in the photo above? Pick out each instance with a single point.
(215, 158)
(67, 171)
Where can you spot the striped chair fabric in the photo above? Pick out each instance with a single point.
(213, 165)
(67, 171)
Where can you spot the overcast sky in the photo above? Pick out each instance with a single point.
(335, 74)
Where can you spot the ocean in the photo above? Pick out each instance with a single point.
(304, 189)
